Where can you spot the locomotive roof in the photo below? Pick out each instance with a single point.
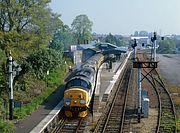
(81, 77)
(85, 72)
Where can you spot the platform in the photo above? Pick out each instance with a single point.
(106, 79)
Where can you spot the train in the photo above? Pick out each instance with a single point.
(79, 88)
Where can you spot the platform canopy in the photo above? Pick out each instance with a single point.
(116, 51)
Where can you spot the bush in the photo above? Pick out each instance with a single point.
(178, 124)
(55, 79)
(42, 61)
(6, 127)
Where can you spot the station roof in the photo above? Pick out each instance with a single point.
(106, 45)
(86, 46)
(94, 49)
(117, 50)
(139, 37)
(107, 48)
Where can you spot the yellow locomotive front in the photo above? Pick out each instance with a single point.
(79, 88)
(76, 102)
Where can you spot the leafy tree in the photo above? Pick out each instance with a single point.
(177, 42)
(136, 33)
(119, 41)
(111, 39)
(3, 71)
(42, 61)
(143, 33)
(26, 24)
(82, 27)
(62, 39)
(166, 46)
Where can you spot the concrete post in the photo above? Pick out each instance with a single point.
(139, 95)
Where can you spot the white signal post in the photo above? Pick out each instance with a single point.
(139, 95)
(11, 74)
(155, 41)
(10, 88)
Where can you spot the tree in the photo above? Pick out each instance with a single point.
(82, 27)
(143, 33)
(116, 40)
(136, 33)
(62, 39)
(111, 39)
(42, 61)
(26, 25)
(166, 47)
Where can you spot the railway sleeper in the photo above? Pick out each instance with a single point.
(114, 121)
(116, 115)
(112, 130)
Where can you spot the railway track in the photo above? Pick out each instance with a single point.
(167, 115)
(70, 125)
(112, 120)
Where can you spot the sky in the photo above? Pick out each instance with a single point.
(123, 16)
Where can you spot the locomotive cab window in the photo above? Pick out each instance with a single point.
(78, 82)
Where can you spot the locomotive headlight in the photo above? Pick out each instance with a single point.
(82, 101)
(67, 101)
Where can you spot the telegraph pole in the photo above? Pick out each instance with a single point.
(10, 88)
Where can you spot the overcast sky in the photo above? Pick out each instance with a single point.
(123, 16)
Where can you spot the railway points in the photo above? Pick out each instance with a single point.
(155, 119)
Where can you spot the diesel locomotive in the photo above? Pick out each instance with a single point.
(80, 87)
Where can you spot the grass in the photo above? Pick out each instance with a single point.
(178, 124)
(55, 79)
(6, 126)
(175, 90)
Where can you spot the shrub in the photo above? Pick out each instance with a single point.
(6, 127)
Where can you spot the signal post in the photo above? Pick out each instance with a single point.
(139, 65)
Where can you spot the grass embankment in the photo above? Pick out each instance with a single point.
(55, 79)
(175, 95)
(175, 91)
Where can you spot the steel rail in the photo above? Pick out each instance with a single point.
(113, 103)
(110, 109)
(161, 103)
(124, 109)
(107, 107)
